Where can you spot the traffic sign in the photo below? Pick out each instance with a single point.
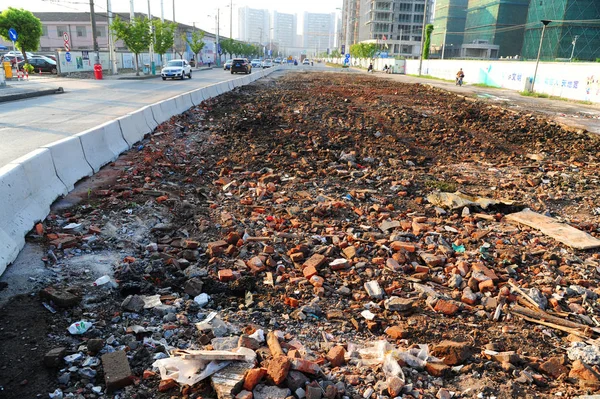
(347, 57)
(343, 49)
(67, 47)
(66, 37)
(68, 56)
(12, 34)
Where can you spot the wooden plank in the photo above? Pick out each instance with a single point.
(561, 232)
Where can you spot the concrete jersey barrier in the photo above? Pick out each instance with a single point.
(69, 161)
(30, 184)
(103, 144)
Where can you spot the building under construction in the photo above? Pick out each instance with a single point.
(574, 30)
(448, 27)
(497, 22)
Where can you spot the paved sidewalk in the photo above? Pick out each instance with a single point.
(571, 114)
(20, 89)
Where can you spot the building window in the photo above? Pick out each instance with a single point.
(404, 18)
(44, 30)
(81, 32)
(100, 31)
(405, 7)
(419, 7)
(60, 30)
(418, 18)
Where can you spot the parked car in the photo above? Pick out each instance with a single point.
(241, 65)
(227, 65)
(176, 69)
(43, 65)
(20, 54)
(256, 63)
(267, 64)
(306, 61)
(13, 59)
(277, 61)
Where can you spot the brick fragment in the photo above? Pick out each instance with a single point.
(253, 377)
(226, 275)
(60, 297)
(446, 307)
(117, 373)
(278, 369)
(335, 356)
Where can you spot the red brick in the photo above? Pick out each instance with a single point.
(401, 245)
(315, 261)
(211, 245)
(309, 271)
(278, 369)
(67, 241)
(446, 307)
(305, 366)
(297, 257)
(253, 377)
(437, 369)
(396, 332)
(244, 395)
(421, 269)
(487, 286)
(226, 275)
(452, 352)
(335, 356)
(166, 385)
(148, 374)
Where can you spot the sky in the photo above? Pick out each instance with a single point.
(186, 11)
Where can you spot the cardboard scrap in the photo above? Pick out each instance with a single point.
(561, 232)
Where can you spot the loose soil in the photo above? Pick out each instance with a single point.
(314, 163)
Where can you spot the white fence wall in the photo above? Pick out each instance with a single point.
(577, 81)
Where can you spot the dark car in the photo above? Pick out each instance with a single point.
(43, 65)
(241, 65)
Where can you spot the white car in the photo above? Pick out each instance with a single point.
(19, 54)
(267, 63)
(256, 63)
(306, 61)
(176, 69)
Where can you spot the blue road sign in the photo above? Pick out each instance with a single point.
(12, 34)
(219, 49)
(347, 57)
(270, 53)
(68, 56)
(343, 49)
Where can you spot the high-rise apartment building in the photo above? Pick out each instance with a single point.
(396, 25)
(254, 25)
(319, 32)
(568, 33)
(284, 30)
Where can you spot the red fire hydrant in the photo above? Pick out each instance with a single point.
(98, 71)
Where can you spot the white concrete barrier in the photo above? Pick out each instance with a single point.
(69, 161)
(183, 102)
(18, 213)
(197, 96)
(150, 121)
(230, 84)
(169, 108)
(134, 127)
(210, 91)
(102, 144)
(223, 87)
(9, 250)
(41, 177)
(157, 112)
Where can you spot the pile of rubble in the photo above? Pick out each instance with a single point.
(336, 236)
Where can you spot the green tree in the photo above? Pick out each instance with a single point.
(196, 43)
(227, 46)
(427, 42)
(135, 34)
(28, 27)
(164, 36)
(335, 53)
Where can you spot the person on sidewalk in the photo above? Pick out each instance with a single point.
(370, 68)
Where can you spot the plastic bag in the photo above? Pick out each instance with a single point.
(80, 327)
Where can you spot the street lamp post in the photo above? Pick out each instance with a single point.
(271, 42)
(537, 62)
(423, 36)
(574, 42)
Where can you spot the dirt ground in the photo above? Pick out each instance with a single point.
(259, 180)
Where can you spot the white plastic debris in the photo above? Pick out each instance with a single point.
(80, 327)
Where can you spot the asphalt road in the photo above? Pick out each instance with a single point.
(28, 124)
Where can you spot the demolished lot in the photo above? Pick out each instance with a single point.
(323, 235)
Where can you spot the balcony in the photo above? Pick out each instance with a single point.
(381, 6)
(373, 17)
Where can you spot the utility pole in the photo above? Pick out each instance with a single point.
(545, 22)
(152, 66)
(162, 11)
(217, 54)
(111, 44)
(94, 33)
(231, 19)
(444, 43)
(423, 36)
(348, 4)
(574, 42)
(131, 12)
(176, 28)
